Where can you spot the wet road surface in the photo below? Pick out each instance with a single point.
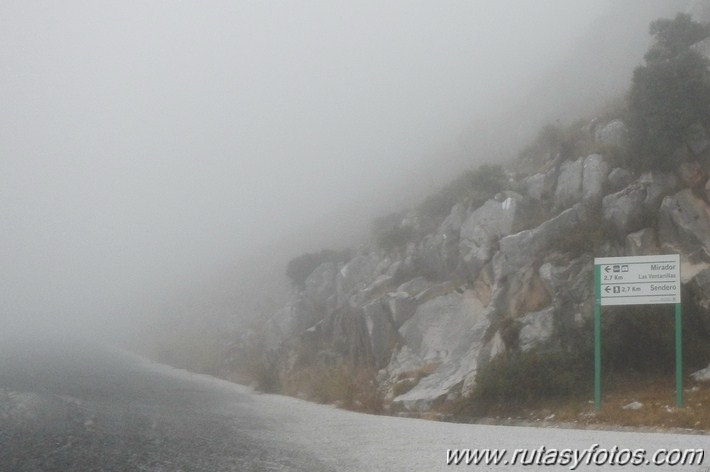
(83, 408)
(75, 406)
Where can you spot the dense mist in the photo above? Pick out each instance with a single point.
(155, 153)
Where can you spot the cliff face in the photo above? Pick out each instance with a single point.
(514, 273)
(437, 295)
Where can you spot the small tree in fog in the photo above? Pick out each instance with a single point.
(299, 268)
(472, 187)
(669, 94)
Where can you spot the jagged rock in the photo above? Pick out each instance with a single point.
(400, 270)
(615, 133)
(406, 362)
(447, 333)
(567, 282)
(296, 317)
(657, 186)
(393, 268)
(492, 349)
(569, 184)
(702, 375)
(415, 286)
(401, 306)
(699, 288)
(692, 174)
(482, 229)
(540, 186)
(483, 284)
(629, 209)
(355, 276)
(684, 228)
(380, 284)
(595, 171)
(563, 276)
(520, 249)
(641, 243)
(273, 334)
(436, 290)
(412, 220)
(383, 265)
(697, 139)
(440, 250)
(435, 325)
(320, 287)
(536, 328)
(346, 334)
(619, 178)
(610, 249)
(404, 269)
(304, 315)
(383, 336)
(624, 210)
(522, 292)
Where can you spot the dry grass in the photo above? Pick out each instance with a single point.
(657, 395)
(658, 399)
(408, 380)
(346, 386)
(196, 352)
(419, 373)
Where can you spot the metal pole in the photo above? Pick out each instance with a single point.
(597, 339)
(678, 357)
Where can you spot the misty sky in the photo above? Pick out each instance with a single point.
(145, 143)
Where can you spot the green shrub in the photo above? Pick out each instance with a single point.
(299, 268)
(395, 238)
(472, 187)
(673, 37)
(554, 140)
(669, 95)
(642, 339)
(352, 387)
(521, 378)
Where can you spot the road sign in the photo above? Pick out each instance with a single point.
(640, 280)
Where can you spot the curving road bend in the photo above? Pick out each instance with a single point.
(73, 406)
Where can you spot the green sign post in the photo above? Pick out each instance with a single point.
(638, 280)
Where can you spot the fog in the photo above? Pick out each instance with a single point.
(153, 148)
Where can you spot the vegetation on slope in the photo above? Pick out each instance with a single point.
(670, 94)
(668, 100)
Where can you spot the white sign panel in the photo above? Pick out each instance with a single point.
(638, 280)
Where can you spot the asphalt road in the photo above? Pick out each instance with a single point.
(80, 407)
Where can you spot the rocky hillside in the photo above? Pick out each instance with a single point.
(433, 298)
